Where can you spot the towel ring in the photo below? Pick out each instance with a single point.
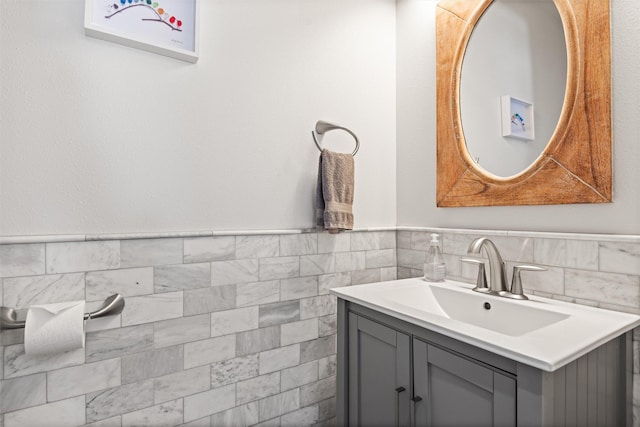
(322, 127)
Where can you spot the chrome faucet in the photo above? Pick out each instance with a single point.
(497, 271)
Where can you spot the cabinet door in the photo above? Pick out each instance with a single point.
(454, 391)
(379, 374)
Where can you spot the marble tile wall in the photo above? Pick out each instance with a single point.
(601, 271)
(240, 330)
(221, 330)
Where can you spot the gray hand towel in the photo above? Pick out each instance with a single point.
(335, 191)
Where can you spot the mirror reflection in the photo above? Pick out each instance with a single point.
(512, 84)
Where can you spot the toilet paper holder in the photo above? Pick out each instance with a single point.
(112, 306)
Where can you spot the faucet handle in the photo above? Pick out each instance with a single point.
(481, 281)
(516, 281)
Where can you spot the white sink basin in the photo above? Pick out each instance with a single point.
(540, 332)
(496, 314)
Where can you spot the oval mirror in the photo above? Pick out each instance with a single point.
(512, 84)
(575, 164)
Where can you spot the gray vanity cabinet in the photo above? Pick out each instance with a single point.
(395, 373)
(379, 374)
(450, 390)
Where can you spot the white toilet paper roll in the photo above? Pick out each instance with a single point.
(54, 328)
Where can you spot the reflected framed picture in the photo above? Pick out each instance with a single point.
(517, 118)
(166, 27)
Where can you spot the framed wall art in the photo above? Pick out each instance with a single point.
(517, 118)
(166, 27)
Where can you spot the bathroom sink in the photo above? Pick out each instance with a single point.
(501, 315)
(541, 332)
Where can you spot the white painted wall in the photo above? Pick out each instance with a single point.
(416, 152)
(98, 138)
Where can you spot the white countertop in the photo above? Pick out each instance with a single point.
(541, 332)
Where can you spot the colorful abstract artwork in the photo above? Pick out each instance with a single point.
(167, 27)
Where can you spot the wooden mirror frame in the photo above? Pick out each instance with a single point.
(575, 166)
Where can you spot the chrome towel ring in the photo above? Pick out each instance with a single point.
(322, 127)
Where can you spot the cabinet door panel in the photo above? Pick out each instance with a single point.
(378, 364)
(458, 392)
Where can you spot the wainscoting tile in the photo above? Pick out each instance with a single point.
(279, 268)
(202, 422)
(83, 379)
(296, 332)
(365, 276)
(299, 375)
(17, 363)
(181, 384)
(82, 256)
(550, 251)
(368, 241)
(128, 282)
(327, 409)
(330, 281)
(302, 417)
(66, 413)
(231, 321)
(178, 277)
(118, 342)
(22, 260)
(148, 252)
(240, 416)
(298, 244)
(203, 249)
(209, 402)
(403, 240)
(207, 300)
(233, 272)
(279, 312)
(332, 243)
(380, 258)
(257, 340)
(279, 404)
(108, 422)
(315, 392)
(257, 293)
(234, 370)
(327, 325)
(317, 349)
(411, 259)
(181, 330)
(151, 308)
(388, 273)
(279, 358)
(165, 414)
(318, 306)
(300, 287)
(23, 392)
(150, 364)
(119, 400)
(257, 388)
(620, 257)
(327, 366)
(208, 351)
(608, 288)
(257, 246)
(582, 254)
(23, 292)
(317, 264)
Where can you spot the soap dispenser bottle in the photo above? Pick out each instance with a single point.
(434, 268)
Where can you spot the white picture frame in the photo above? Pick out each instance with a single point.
(147, 25)
(517, 118)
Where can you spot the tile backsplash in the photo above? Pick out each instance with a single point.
(240, 329)
(218, 330)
